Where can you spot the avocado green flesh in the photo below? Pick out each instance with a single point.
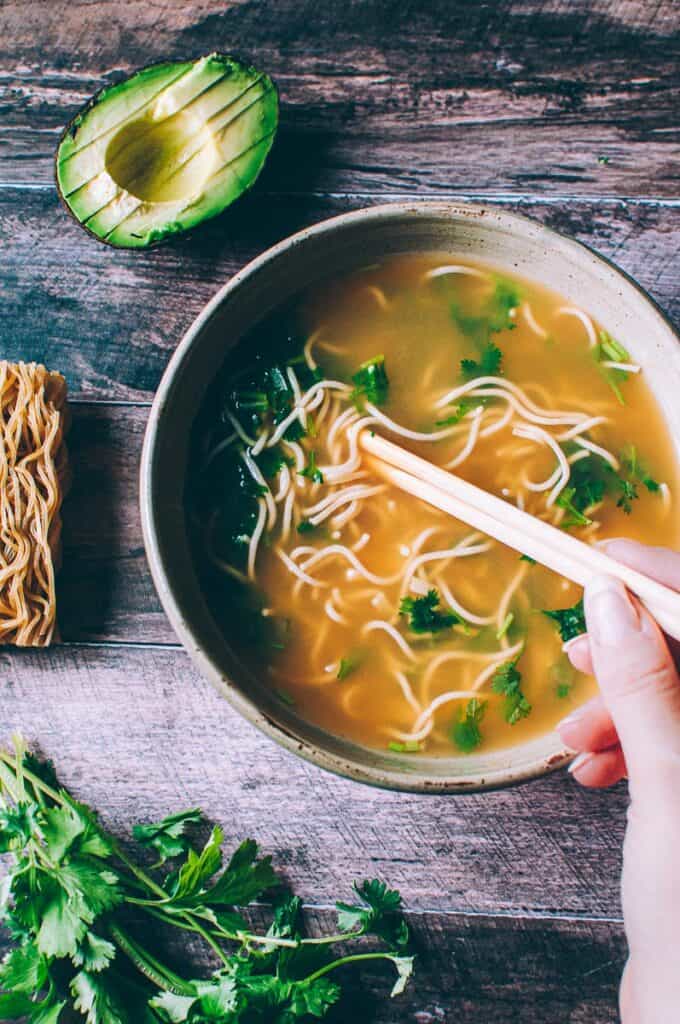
(166, 149)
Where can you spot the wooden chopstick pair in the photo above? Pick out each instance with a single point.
(506, 523)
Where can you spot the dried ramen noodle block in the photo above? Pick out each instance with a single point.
(33, 476)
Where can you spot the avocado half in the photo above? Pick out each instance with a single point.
(167, 148)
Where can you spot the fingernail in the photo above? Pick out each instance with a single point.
(611, 615)
(573, 718)
(579, 761)
(575, 640)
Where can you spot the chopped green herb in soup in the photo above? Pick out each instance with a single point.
(365, 610)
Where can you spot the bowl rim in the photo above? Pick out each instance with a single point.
(381, 777)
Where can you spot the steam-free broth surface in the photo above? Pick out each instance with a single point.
(377, 616)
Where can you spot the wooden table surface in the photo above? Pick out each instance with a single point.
(564, 109)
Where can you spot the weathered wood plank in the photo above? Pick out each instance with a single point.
(497, 970)
(381, 96)
(137, 733)
(105, 592)
(110, 319)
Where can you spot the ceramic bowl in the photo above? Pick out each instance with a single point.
(338, 245)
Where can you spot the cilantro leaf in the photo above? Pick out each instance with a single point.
(507, 680)
(610, 350)
(314, 997)
(311, 470)
(424, 613)
(574, 517)
(371, 382)
(380, 916)
(198, 867)
(244, 879)
(404, 965)
(489, 364)
(571, 622)
(71, 901)
(465, 731)
(94, 953)
(24, 969)
(347, 666)
(168, 837)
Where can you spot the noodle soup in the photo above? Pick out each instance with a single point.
(378, 617)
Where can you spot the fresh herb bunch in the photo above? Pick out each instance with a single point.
(72, 899)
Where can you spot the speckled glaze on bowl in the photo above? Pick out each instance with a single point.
(335, 246)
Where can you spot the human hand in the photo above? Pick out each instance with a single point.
(634, 729)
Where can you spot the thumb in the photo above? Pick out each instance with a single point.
(640, 686)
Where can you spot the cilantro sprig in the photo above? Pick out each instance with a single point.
(424, 614)
(571, 622)
(69, 891)
(371, 382)
(507, 680)
(465, 731)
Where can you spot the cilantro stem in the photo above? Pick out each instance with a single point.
(353, 958)
(147, 965)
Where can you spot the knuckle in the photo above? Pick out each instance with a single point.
(658, 680)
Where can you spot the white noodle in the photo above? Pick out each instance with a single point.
(379, 296)
(665, 492)
(386, 627)
(334, 614)
(465, 613)
(285, 483)
(412, 435)
(585, 320)
(219, 448)
(332, 501)
(624, 367)
(337, 522)
(532, 322)
(255, 539)
(598, 450)
(297, 395)
(471, 440)
(407, 691)
(311, 341)
(297, 571)
(240, 431)
(360, 544)
(506, 598)
(453, 268)
(254, 471)
(306, 402)
(581, 428)
(344, 552)
(499, 424)
(543, 437)
(287, 515)
(424, 722)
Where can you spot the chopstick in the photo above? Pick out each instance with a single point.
(508, 524)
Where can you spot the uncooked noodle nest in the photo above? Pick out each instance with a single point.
(33, 472)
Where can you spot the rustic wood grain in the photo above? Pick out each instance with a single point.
(490, 969)
(379, 95)
(104, 590)
(110, 319)
(136, 732)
